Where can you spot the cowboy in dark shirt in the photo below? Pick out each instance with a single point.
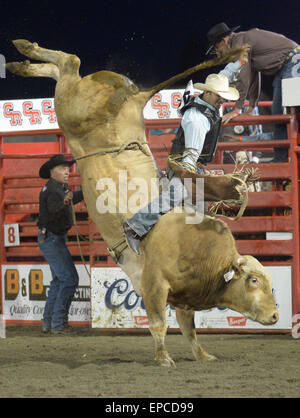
(269, 53)
(55, 220)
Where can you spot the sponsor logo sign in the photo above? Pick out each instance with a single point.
(115, 304)
(25, 289)
(236, 321)
(164, 105)
(22, 115)
(141, 320)
(110, 301)
(30, 114)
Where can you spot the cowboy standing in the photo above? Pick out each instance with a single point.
(196, 141)
(271, 54)
(55, 219)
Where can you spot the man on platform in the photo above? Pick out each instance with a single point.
(271, 54)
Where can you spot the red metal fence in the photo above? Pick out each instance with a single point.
(275, 210)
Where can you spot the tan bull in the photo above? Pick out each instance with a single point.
(101, 116)
(201, 269)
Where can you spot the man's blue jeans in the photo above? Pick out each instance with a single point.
(64, 280)
(147, 217)
(280, 132)
(143, 220)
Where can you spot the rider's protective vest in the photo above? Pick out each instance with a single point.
(211, 138)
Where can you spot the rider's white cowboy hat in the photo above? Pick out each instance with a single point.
(218, 83)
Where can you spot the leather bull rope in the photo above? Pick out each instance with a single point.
(78, 240)
(225, 190)
(126, 146)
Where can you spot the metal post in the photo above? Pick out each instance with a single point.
(2, 248)
(293, 138)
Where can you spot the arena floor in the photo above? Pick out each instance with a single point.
(89, 363)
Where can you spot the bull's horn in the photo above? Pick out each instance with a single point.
(238, 263)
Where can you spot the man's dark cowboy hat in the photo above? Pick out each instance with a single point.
(218, 32)
(57, 159)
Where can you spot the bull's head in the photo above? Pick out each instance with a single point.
(249, 291)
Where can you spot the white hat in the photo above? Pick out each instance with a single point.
(218, 83)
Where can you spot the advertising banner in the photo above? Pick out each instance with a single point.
(31, 114)
(25, 289)
(27, 115)
(115, 304)
(164, 105)
(111, 302)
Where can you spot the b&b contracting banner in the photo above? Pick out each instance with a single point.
(25, 288)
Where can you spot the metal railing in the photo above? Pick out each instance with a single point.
(276, 210)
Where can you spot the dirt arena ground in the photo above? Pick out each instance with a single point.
(89, 364)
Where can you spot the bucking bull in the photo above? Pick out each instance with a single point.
(191, 266)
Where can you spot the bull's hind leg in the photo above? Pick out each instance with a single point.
(26, 69)
(155, 298)
(185, 319)
(66, 63)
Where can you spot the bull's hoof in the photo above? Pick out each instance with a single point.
(210, 357)
(24, 46)
(165, 362)
(18, 67)
(206, 357)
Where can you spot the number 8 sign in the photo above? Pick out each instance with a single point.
(11, 235)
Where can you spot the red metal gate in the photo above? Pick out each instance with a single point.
(276, 210)
(270, 211)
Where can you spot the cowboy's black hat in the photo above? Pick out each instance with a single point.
(218, 32)
(57, 159)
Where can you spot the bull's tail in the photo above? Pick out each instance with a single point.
(231, 56)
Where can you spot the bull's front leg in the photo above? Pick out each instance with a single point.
(155, 295)
(185, 319)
